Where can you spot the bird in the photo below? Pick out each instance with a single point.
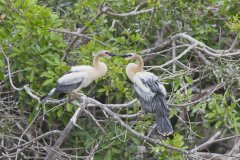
(150, 92)
(80, 76)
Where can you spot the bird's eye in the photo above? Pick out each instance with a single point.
(130, 55)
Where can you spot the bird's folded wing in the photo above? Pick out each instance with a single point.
(71, 81)
(155, 85)
(150, 92)
(81, 68)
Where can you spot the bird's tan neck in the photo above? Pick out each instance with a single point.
(133, 68)
(139, 62)
(96, 60)
(101, 68)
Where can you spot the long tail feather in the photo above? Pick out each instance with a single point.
(46, 97)
(164, 125)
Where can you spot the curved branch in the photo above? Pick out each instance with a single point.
(9, 70)
(132, 13)
(139, 135)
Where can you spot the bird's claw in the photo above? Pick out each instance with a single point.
(75, 95)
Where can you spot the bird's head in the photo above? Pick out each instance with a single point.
(128, 56)
(107, 54)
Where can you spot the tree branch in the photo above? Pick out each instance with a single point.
(78, 34)
(66, 131)
(132, 13)
(71, 44)
(207, 143)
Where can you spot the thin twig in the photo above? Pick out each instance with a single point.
(79, 35)
(71, 44)
(18, 151)
(132, 13)
(9, 71)
(37, 139)
(174, 59)
(207, 143)
(151, 19)
(93, 151)
(95, 120)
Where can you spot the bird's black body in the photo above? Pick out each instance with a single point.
(154, 101)
(150, 92)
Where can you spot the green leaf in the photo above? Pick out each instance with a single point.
(218, 124)
(69, 107)
(59, 112)
(189, 80)
(108, 156)
(47, 82)
(31, 78)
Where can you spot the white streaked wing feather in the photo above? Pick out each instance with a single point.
(163, 89)
(72, 78)
(145, 90)
(81, 68)
(142, 90)
(146, 95)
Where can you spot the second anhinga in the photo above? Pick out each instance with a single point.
(150, 92)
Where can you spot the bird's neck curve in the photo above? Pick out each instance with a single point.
(139, 62)
(101, 68)
(96, 60)
(133, 68)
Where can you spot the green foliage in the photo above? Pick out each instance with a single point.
(221, 114)
(161, 152)
(234, 24)
(36, 53)
(29, 44)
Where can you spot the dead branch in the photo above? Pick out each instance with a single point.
(207, 143)
(91, 21)
(53, 150)
(77, 34)
(132, 13)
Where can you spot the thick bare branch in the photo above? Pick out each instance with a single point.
(132, 13)
(66, 131)
(207, 143)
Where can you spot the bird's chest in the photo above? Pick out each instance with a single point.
(143, 91)
(90, 77)
(87, 81)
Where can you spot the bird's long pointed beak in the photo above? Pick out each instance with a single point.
(112, 54)
(123, 55)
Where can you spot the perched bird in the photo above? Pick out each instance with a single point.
(150, 92)
(80, 76)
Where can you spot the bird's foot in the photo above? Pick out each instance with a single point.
(143, 111)
(72, 96)
(80, 94)
(75, 95)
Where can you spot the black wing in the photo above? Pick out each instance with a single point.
(152, 96)
(69, 82)
(67, 88)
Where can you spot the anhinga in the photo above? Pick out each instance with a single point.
(80, 76)
(150, 92)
